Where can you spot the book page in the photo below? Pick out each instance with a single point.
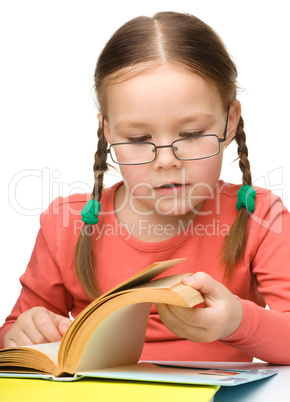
(49, 349)
(146, 274)
(143, 276)
(165, 282)
(118, 339)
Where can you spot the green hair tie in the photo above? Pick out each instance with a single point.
(246, 198)
(90, 212)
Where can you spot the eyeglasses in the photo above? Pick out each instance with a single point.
(191, 148)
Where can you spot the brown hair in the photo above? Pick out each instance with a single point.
(139, 44)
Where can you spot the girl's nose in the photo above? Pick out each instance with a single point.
(166, 159)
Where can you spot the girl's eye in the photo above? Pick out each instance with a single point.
(142, 138)
(191, 134)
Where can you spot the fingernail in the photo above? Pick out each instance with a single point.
(63, 328)
(188, 279)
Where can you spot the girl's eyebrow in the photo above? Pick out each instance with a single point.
(131, 124)
(192, 118)
(183, 120)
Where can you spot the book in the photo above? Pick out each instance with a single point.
(14, 389)
(109, 332)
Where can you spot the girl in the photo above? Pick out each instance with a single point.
(166, 88)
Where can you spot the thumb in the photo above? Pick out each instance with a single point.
(204, 283)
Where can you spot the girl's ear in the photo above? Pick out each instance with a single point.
(105, 128)
(234, 118)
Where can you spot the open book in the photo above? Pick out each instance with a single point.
(110, 331)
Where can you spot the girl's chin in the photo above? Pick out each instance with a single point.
(169, 209)
(166, 205)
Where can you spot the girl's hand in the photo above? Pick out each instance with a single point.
(219, 318)
(34, 326)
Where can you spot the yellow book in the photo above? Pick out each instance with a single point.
(110, 332)
(12, 390)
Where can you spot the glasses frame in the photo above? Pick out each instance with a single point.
(155, 147)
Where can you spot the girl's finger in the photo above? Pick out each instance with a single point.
(181, 328)
(17, 338)
(46, 326)
(204, 283)
(62, 323)
(34, 335)
(10, 344)
(196, 316)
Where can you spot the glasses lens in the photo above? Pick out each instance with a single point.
(196, 147)
(132, 153)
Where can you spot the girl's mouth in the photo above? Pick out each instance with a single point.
(170, 188)
(170, 185)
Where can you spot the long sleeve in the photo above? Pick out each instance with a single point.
(42, 283)
(265, 333)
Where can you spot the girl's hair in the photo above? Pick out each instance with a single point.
(139, 44)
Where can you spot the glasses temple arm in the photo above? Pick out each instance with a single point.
(226, 127)
(107, 151)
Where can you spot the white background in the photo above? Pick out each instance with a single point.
(48, 118)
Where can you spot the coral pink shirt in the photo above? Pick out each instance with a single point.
(261, 277)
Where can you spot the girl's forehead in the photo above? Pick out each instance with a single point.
(151, 69)
(166, 86)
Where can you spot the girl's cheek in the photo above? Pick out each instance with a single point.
(136, 176)
(204, 170)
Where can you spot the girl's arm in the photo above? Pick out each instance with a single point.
(42, 288)
(259, 332)
(265, 333)
(242, 324)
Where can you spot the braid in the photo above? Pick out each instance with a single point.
(84, 255)
(235, 242)
(100, 167)
(243, 153)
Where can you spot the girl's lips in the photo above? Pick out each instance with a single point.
(171, 188)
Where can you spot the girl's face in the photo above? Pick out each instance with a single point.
(162, 105)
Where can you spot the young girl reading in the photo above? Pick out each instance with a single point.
(166, 89)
